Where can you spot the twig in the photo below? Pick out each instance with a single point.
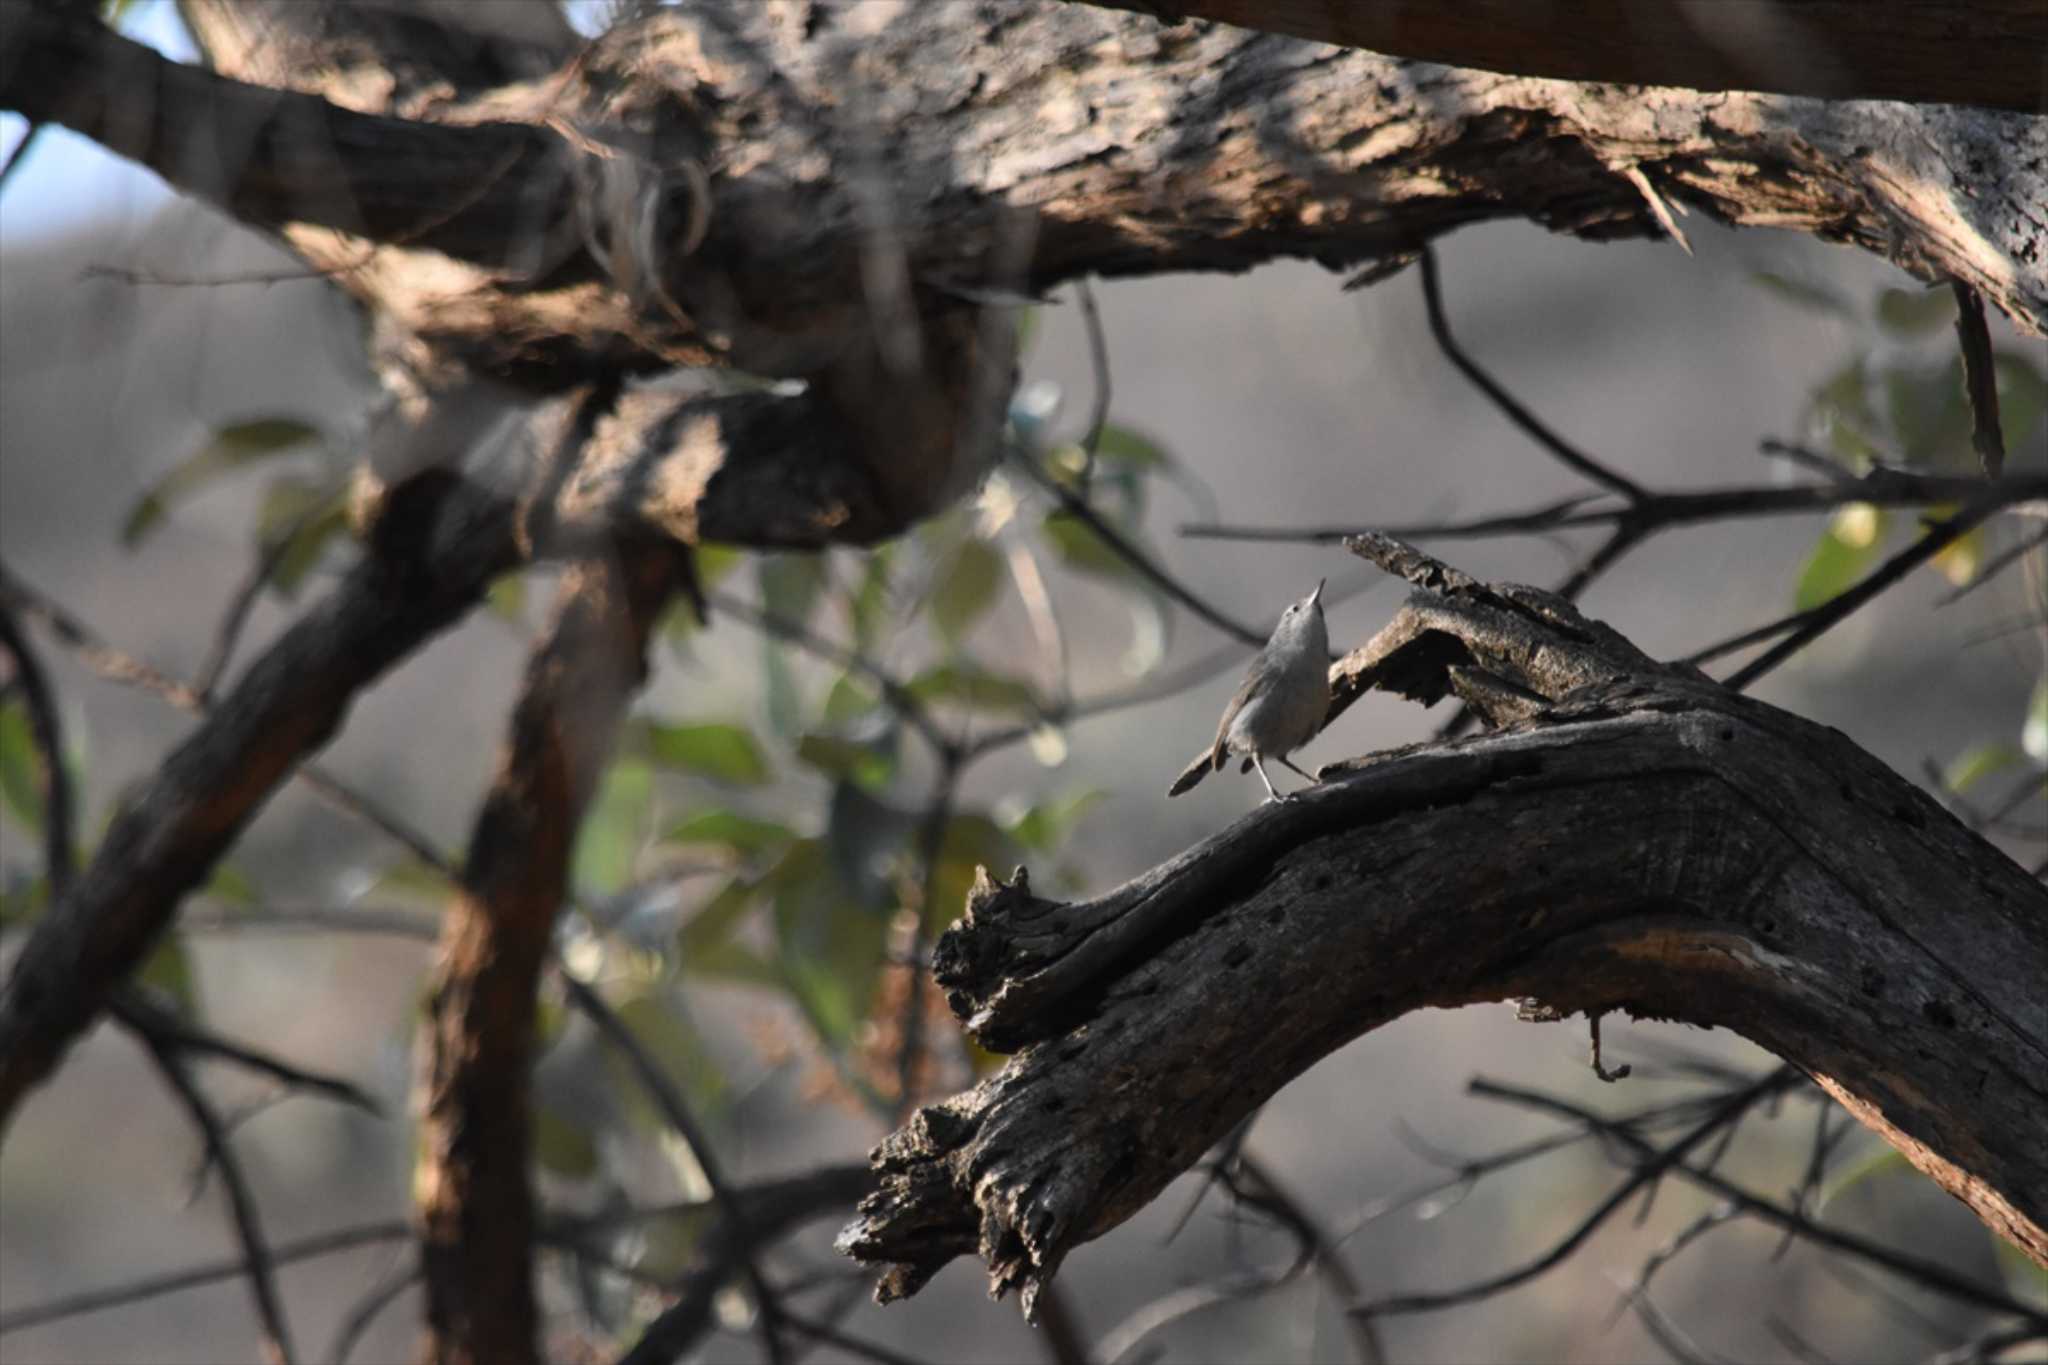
(1997, 565)
(1440, 328)
(366, 1310)
(1980, 379)
(855, 1346)
(1927, 1274)
(20, 152)
(1269, 1194)
(930, 843)
(1121, 546)
(1098, 358)
(46, 732)
(201, 1275)
(1655, 1165)
(676, 1110)
(229, 631)
(1600, 1068)
(257, 1262)
(179, 1037)
(1814, 623)
(1059, 1328)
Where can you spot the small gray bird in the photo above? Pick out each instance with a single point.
(1281, 703)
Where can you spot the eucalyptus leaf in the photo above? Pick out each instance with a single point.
(871, 765)
(1976, 764)
(609, 842)
(722, 752)
(1841, 556)
(2034, 729)
(1808, 294)
(1915, 312)
(232, 447)
(562, 1145)
(977, 689)
(741, 834)
(968, 583)
(21, 787)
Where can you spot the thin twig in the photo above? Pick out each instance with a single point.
(1980, 379)
(858, 1347)
(366, 1310)
(201, 1275)
(676, 1110)
(1927, 1274)
(229, 631)
(1652, 1168)
(46, 733)
(1098, 358)
(257, 1261)
(182, 1038)
(1140, 562)
(1814, 623)
(1440, 328)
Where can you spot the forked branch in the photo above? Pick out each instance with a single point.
(1629, 836)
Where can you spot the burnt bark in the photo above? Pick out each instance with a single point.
(1631, 836)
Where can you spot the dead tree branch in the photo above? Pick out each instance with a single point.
(1630, 836)
(476, 1206)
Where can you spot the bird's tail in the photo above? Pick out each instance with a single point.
(1196, 770)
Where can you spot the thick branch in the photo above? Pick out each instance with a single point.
(1949, 52)
(476, 1207)
(1632, 838)
(441, 548)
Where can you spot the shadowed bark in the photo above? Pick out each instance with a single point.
(1631, 837)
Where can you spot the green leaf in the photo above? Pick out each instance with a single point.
(977, 689)
(672, 1043)
(2034, 729)
(232, 447)
(412, 877)
(230, 886)
(562, 1145)
(870, 765)
(744, 835)
(1841, 555)
(968, 584)
(21, 785)
(1075, 544)
(851, 697)
(1929, 414)
(714, 922)
(868, 609)
(22, 901)
(1128, 446)
(790, 585)
(169, 972)
(506, 597)
(609, 842)
(1915, 312)
(715, 563)
(1974, 765)
(297, 520)
(1027, 329)
(1043, 827)
(1882, 1161)
(1807, 294)
(2022, 402)
(719, 751)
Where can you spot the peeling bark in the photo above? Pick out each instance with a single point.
(1631, 837)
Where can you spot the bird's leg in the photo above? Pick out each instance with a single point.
(1290, 763)
(1271, 795)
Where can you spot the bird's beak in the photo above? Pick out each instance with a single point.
(1318, 592)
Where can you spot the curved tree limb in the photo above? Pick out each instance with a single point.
(1630, 837)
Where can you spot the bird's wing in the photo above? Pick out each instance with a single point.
(1254, 683)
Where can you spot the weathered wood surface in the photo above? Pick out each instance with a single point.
(1632, 837)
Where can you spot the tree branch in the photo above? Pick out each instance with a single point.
(1950, 52)
(476, 1207)
(1631, 837)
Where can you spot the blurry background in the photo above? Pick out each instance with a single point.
(1280, 401)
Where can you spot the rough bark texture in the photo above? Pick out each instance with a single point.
(1981, 52)
(1632, 837)
(475, 1203)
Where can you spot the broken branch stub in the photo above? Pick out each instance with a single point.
(1630, 836)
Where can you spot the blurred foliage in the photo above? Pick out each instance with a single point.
(1898, 401)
